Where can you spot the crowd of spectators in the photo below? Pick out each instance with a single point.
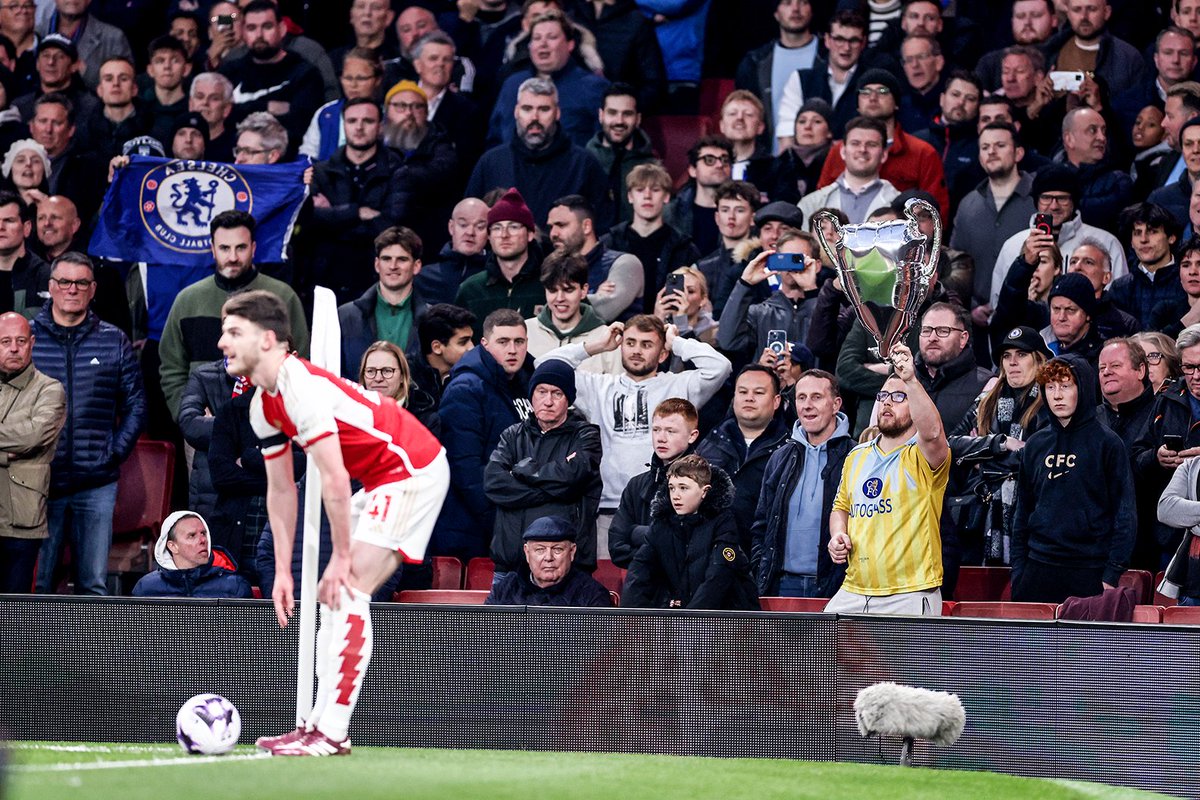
(603, 347)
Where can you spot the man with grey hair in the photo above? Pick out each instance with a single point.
(211, 97)
(1091, 259)
(434, 58)
(260, 140)
(540, 161)
(1105, 190)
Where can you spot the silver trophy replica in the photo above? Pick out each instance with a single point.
(884, 264)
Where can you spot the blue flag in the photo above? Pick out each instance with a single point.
(158, 210)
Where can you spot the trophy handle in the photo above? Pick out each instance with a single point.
(819, 232)
(849, 287)
(935, 248)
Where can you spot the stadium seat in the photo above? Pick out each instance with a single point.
(1144, 614)
(1005, 610)
(256, 593)
(672, 137)
(1159, 598)
(812, 605)
(977, 584)
(609, 575)
(143, 502)
(1140, 581)
(1181, 615)
(712, 93)
(447, 573)
(461, 597)
(948, 608)
(479, 574)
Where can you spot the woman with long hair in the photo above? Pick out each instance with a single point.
(691, 312)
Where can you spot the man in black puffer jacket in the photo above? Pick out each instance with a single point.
(106, 411)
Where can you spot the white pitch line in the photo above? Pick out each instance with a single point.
(89, 748)
(149, 762)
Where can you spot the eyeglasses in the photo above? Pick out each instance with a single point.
(845, 40)
(712, 161)
(867, 91)
(18, 6)
(907, 60)
(248, 151)
(895, 397)
(379, 372)
(1154, 356)
(507, 228)
(82, 284)
(1188, 369)
(1053, 200)
(401, 106)
(941, 331)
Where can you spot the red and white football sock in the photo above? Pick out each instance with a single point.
(322, 666)
(347, 652)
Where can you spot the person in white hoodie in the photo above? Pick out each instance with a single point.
(189, 565)
(621, 405)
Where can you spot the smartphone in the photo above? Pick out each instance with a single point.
(1043, 223)
(224, 22)
(675, 283)
(777, 342)
(1173, 442)
(1066, 81)
(785, 262)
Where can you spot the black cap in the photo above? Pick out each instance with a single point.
(910, 194)
(143, 146)
(550, 529)
(883, 78)
(190, 120)
(1076, 287)
(61, 42)
(1023, 338)
(780, 211)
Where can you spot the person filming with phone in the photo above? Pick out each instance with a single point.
(793, 265)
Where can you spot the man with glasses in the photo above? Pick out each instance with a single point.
(832, 80)
(885, 519)
(1173, 435)
(946, 364)
(511, 276)
(1056, 190)
(693, 211)
(16, 24)
(390, 310)
(911, 163)
(921, 57)
(95, 364)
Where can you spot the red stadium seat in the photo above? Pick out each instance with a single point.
(948, 608)
(1151, 615)
(256, 593)
(712, 93)
(461, 597)
(1181, 615)
(143, 502)
(981, 583)
(447, 573)
(1141, 582)
(479, 574)
(672, 137)
(1005, 610)
(812, 605)
(1162, 599)
(609, 575)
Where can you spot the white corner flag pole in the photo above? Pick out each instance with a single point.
(327, 354)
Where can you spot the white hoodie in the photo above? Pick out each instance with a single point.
(622, 407)
(161, 554)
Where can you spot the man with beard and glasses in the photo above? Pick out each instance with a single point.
(946, 361)
(540, 161)
(427, 181)
(353, 203)
(884, 523)
(621, 143)
(270, 78)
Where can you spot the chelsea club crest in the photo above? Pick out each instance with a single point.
(180, 198)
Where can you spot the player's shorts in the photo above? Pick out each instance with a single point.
(400, 516)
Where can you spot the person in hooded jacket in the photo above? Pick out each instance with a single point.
(691, 558)
(1075, 519)
(547, 465)
(188, 566)
(790, 531)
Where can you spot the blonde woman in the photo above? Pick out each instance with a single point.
(384, 369)
(690, 309)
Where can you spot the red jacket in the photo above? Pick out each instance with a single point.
(911, 164)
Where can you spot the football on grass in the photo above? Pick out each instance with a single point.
(208, 724)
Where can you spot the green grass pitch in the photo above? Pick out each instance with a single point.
(62, 771)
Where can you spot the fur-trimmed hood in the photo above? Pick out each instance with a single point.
(744, 249)
(585, 48)
(718, 500)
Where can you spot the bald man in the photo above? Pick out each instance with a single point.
(58, 224)
(461, 257)
(35, 409)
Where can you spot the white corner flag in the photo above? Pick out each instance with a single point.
(327, 354)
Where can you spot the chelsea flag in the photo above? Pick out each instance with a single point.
(158, 210)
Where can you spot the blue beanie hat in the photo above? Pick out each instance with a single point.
(557, 373)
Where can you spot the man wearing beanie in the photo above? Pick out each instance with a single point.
(189, 137)
(511, 276)
(911, 163)
(541, 160)
(546, 465)
(1073, 304)
(1056, 192)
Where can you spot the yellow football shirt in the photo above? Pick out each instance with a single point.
(895, 505)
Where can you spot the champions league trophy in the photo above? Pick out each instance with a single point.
(884, 264)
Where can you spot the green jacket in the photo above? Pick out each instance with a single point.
(488, 291)
(194, 327)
